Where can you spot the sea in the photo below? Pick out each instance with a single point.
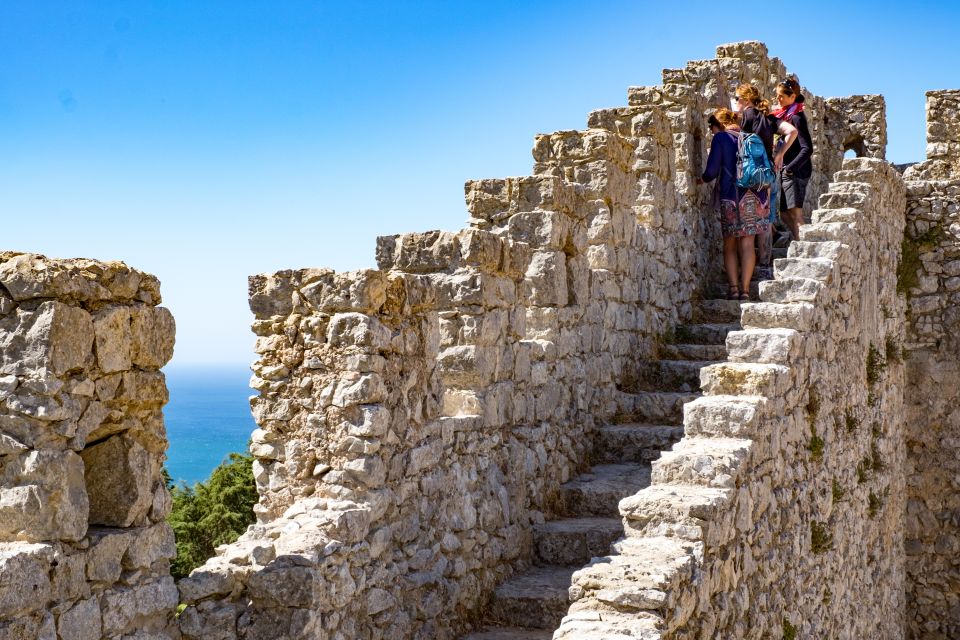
(207, 418)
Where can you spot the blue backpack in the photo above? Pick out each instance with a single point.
(753, 166)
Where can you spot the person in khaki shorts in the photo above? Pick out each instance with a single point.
(797, 167)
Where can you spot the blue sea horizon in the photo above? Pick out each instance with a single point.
(208, 417)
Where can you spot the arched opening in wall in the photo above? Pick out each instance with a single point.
(854, 147)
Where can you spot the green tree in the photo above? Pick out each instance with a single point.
(214, 512)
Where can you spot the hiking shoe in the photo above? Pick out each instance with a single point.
(764, 273)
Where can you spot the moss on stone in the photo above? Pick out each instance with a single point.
(821, 540)
(910, 251)
(838, 491)
(816, 444)
(789, 631)
(875, 365)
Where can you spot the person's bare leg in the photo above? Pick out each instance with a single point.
(793, 218)
(730, 261)
(765, 247)
(748, 260)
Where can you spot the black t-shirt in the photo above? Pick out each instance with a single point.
(797, 158)
(762, 125)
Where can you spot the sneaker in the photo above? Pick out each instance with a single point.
(764, 273)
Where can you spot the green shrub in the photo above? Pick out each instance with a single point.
(214, 512)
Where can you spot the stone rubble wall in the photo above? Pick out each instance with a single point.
(84, 546)
(866, 120)
(943, 130)
(930, 277)
(416, 421)
(780, 512)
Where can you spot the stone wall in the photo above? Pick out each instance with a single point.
(779, 514)
(84, 548)
(930, 277)
(416, 421)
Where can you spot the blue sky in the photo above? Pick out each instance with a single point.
(205, 141)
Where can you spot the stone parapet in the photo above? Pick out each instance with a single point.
(780, 511)
(84, 546)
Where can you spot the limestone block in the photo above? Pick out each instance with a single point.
(43, 497)
(209, 580)
(714, 462)
(357, 329)
(286, 585)
(821, 269)
(467, 366)
(148, 545)
(81, 621)
(736, 378)
(209, 621)
(418, 252)
(786, 290)
(119, 481)
(124, 609)
(114, 340)
(152, 333)
(481, 249)
(725, 416)
(271, 294)
(364, 291)
(24, 581)
(540, 229)
(779, 346)
(29, 276)
(55, 336)
(545, 282)
(768, 315)
(141, 390)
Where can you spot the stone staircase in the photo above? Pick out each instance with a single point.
(530, 605)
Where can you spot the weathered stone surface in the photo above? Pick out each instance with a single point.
(120, 493)
(82, 621)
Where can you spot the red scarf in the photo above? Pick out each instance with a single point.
(789, 112)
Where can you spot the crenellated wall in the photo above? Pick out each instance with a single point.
(84, 547)
(780, 511)
(416, 421)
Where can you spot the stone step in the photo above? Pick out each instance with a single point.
(693, 351)
(718, 289)
(537, 598)
(654, 407)
(599, 491)
(706, 333)
(633, 442)
(717, 310)
(509, 633)
(711, 462)
(669, 375)
(575, 541)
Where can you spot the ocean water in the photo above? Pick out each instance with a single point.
(208, 417)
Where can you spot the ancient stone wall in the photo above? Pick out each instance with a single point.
(416, 421)
(84, 548)
(930, 276)
(779, 514)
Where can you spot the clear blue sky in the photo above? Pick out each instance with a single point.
(205, 141)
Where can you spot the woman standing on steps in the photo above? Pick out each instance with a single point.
(755, 118)
(797, 166)
(743, 212)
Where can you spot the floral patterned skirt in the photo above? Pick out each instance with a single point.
(748, 217)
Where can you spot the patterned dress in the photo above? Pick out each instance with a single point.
(742, 212)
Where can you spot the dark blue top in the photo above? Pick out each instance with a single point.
(722, 163)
